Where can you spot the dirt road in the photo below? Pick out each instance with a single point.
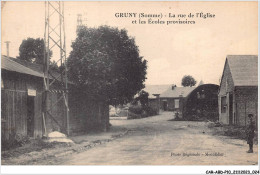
(157, 141)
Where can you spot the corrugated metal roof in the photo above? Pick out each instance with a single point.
(244, 69)
(177, 92)
(155, 89)
(8, 64)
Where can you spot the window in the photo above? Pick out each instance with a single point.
(223, 104)
(176, 103)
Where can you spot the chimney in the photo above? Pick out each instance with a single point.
(174, 86)
(7, 48)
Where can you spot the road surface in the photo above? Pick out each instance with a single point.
(158, 141)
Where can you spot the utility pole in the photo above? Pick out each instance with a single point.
(7, 48)
(55, 38)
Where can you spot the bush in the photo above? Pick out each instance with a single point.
(136, 112)
(150, 111)
(134, 116)
(136, 109)
(205, 116)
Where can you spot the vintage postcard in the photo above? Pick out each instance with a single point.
(130, 83)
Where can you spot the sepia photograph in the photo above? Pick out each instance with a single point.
(130, 83)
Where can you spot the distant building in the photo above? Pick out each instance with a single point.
(173, 98)
(192, 103)
(238, 93)
(154, 95)
(155, 89)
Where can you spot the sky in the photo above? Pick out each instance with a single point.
(172, 51)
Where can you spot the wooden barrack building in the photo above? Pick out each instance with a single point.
(22, 88)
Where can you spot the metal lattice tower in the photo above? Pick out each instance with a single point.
(54, 38)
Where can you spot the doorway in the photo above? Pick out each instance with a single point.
(30, 116)
(164, 105)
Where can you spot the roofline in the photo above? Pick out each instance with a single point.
(22, 73)
(242, 55)
(193, 87)
(207, 84)
(203, 85)
(226, 63)
(41, 74)
(222, 74)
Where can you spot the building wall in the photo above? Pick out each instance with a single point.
(246, 103)
(226, 87)
(14, 104)
(171, 104)
(14, 96)
(13, 113)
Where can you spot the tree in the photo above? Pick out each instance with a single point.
(32, 50)
(105, 64)
(143, 98)
(188, 80)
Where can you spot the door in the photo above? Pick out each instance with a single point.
(164, 105)
(30, 116)
(230, 109)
